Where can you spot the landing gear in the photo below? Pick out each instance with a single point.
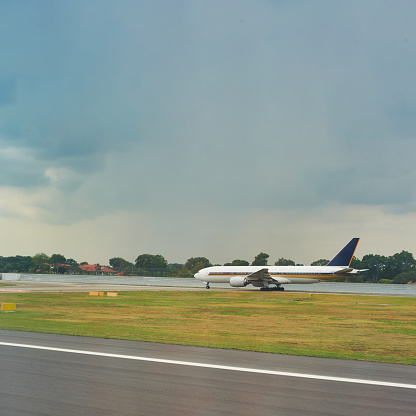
(273, 288)
(207, 285)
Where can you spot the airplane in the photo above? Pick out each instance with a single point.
(272, 277)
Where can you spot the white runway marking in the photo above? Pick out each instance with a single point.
(217, 367)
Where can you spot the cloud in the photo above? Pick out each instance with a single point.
(302, 235)
(19, 168)
(7, 90)
(229, 109)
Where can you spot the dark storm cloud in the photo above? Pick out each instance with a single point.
(294, 103)
(7, 90)
(68, 97)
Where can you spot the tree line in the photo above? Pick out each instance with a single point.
(39, 263)
(398, 268)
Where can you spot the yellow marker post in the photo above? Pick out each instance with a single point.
(7, 307)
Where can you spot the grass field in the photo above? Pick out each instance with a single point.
(371, 328)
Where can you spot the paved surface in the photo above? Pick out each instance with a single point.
(43, 382)
(42, 286)
(29, 286)
(77, 282)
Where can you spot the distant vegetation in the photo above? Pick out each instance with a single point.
(398, 268)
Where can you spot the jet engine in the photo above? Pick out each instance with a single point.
(238, 281)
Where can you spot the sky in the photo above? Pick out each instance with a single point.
(207, 128)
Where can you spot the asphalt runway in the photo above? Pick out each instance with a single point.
(30, 286)
(86, 286)
(90, 376)
(80, 283)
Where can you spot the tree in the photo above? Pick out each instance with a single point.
(237, 262)
(405, 277)
(151, 261)
(377, 267)
(284, 262)
(117, 263)
(121, 265)
(73, 269)
(260, 260)
(16, 264)
(71, 262)
(194, 264)
(174, 268)
(382, 267)
(40, 258)
(178, 270)
(57, 260)
(402, 262)
(355, 263)
(320, 262)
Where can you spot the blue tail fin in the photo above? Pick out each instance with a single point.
(344, 257)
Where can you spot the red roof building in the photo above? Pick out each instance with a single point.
(93, 268)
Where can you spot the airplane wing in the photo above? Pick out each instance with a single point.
(262, 274)
(261, 278)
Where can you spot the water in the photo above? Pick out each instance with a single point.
(325, 287)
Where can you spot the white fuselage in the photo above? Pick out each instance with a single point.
(279, 274)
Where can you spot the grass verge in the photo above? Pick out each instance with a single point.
(357, 327)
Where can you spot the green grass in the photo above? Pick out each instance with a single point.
(371, 328)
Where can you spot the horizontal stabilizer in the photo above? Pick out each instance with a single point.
(343, 271)
(344, 257)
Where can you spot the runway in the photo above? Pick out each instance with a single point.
(109, 285)
(30, 286)
(77, 375)
(78, 283)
